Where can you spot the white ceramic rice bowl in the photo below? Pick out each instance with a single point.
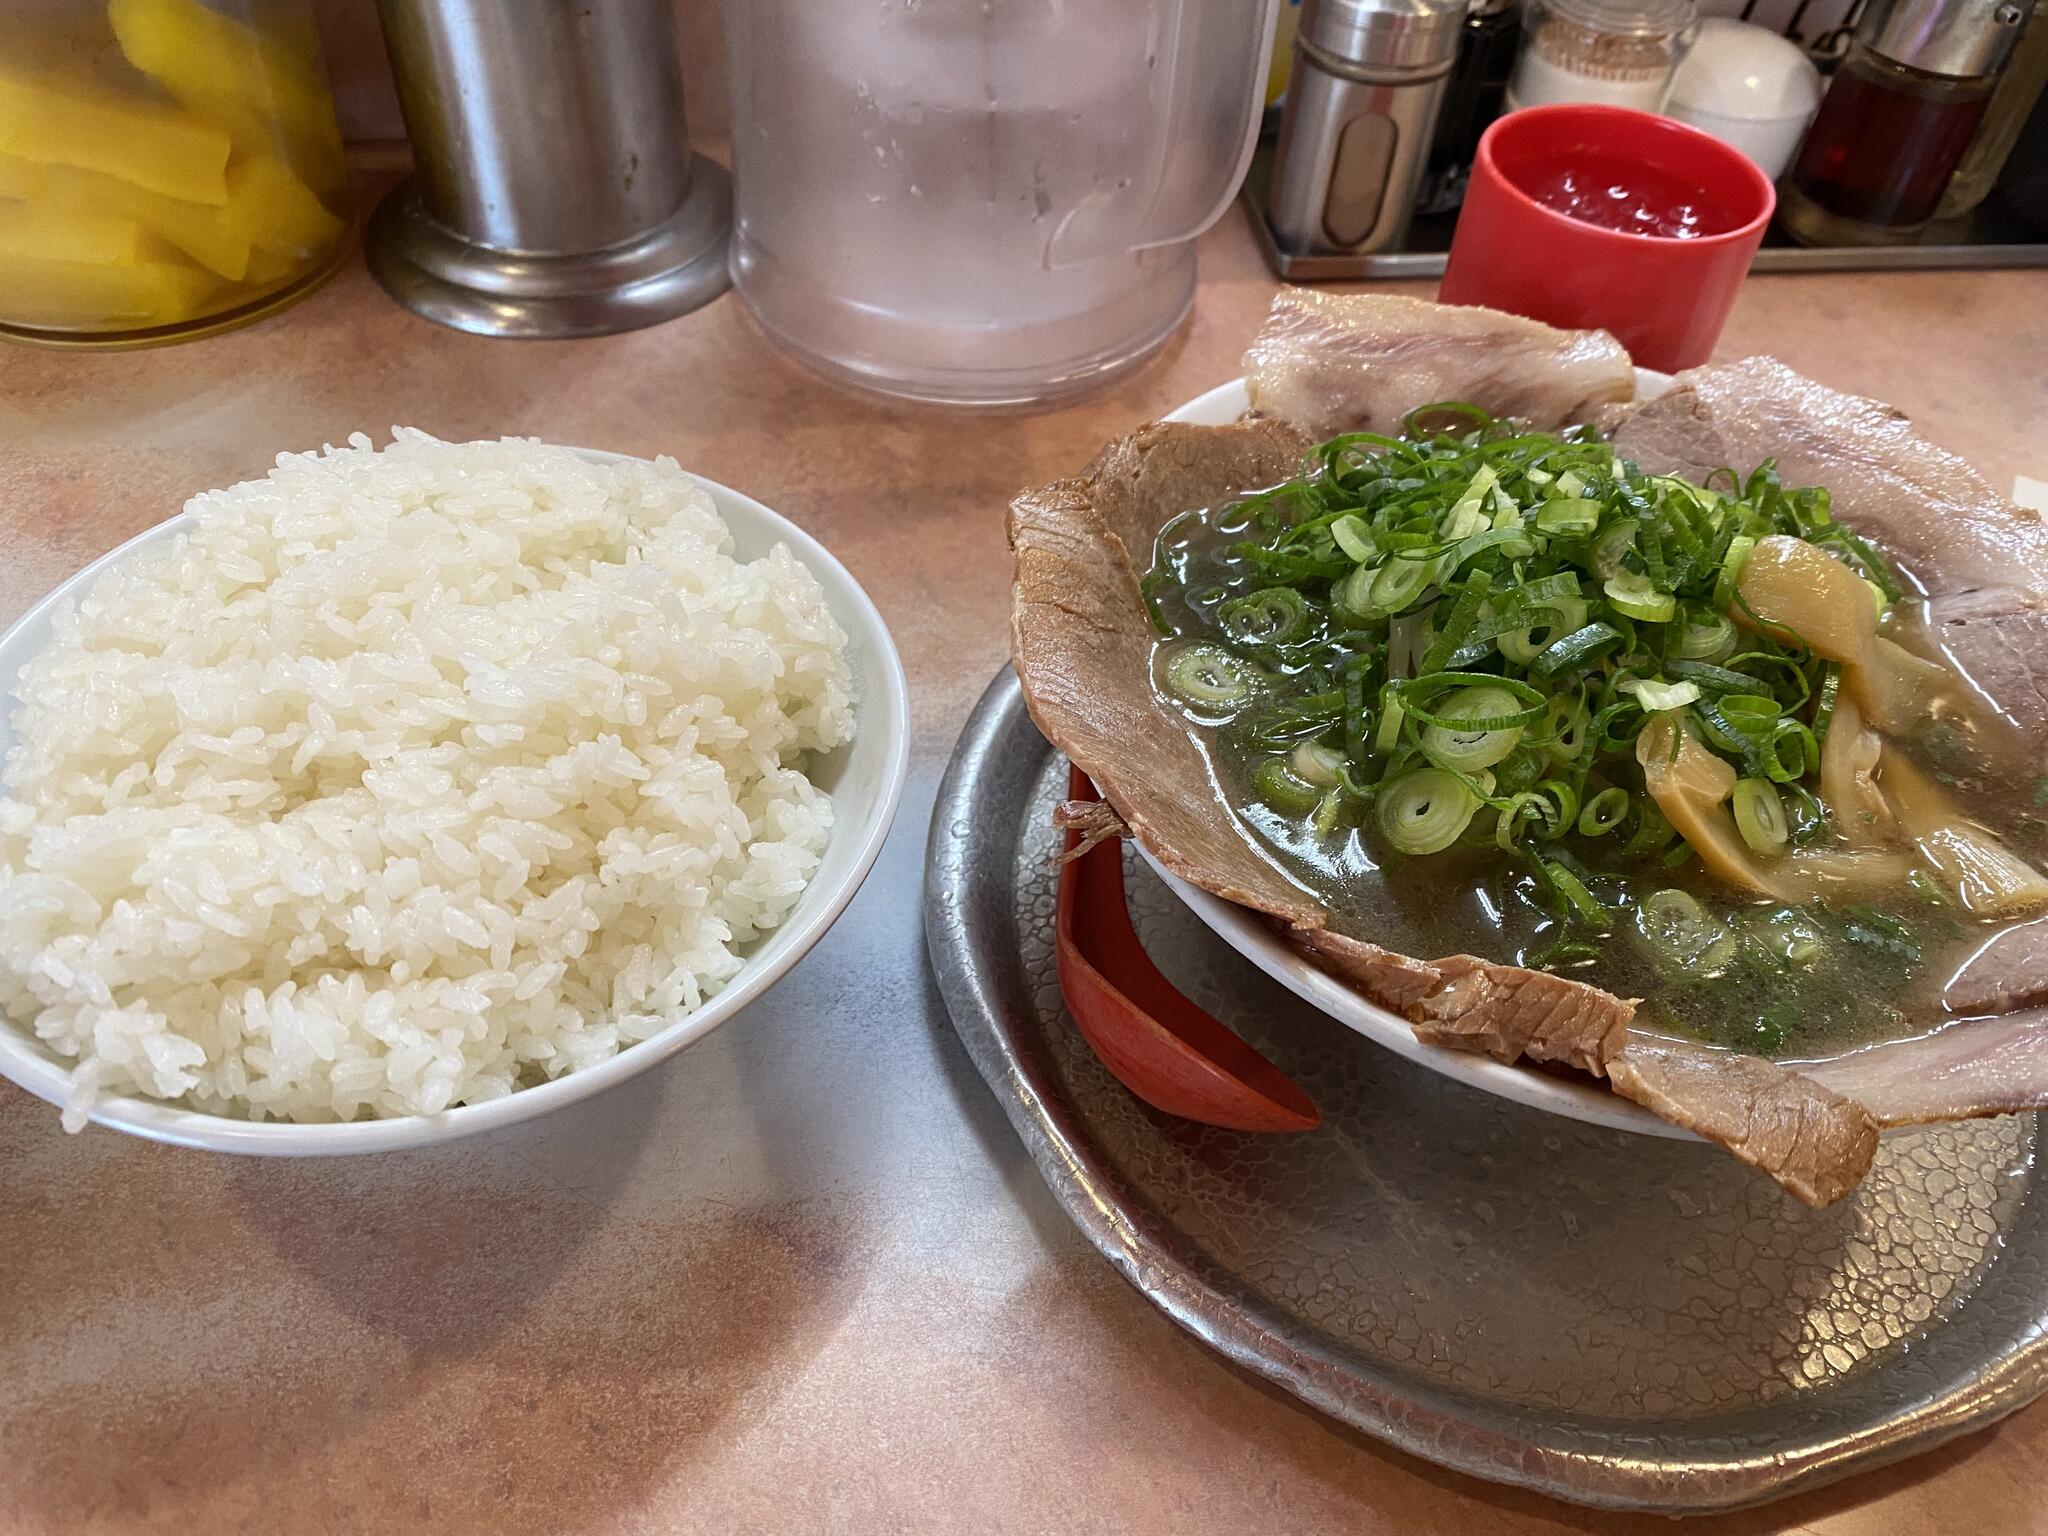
(864, 778)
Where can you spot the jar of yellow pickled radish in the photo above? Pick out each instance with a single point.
(167, 167)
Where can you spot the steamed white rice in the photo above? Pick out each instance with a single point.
(404, 779)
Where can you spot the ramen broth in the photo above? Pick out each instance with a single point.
(1798, 981)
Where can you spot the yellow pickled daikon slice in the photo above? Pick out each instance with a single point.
(199, 231)
(272, 208)
(50, 233)
(205, 60)
(34, 291)
(160, 148)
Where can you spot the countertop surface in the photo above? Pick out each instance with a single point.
(803, 1276)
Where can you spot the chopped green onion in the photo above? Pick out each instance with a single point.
(1760, 816)
(1269, 616)
(1792, 936)
(1283, 789)
(1709, 639)
(1568, 515)
(1329, 811)
(1351, 598)
(1652, 831)
(1316, 764)
(1612, 548)
(1603, 813)
(1425, 811)
(1392, 713)
(1636, 597)
(1352, 537)
(1564, 727)
(1711, 678)
(1731, 570)
(1519, 769)
(1522, 706)
(1574, 892)
(1575, 652)
(1468, 748)
(1790, 752)
(1655, 696)
(1209, 677)
(1399, 582)
(1553, 599)
(1680, 935)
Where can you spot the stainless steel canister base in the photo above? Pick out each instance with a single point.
(672, 269)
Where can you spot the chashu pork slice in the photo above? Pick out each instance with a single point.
(1360, 362)
(1981, 559)
(1934, 514)
(1082, 642)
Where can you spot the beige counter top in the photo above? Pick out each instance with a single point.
(803, 1277)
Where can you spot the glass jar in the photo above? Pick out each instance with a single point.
(1897, 117)
(1616, 53)
(167, 167)
(2018, 89)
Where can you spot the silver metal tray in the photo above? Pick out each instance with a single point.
(1986, 238)
(1610, 1319)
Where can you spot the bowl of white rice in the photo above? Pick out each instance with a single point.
(410, 792)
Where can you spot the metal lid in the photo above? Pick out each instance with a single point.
(1384, 33)
(1629, 18)
(1945, 37)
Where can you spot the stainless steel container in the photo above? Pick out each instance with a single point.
(554, 192)
(1361, 107)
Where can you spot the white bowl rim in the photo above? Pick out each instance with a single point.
(24, 1063)
(1256, 940)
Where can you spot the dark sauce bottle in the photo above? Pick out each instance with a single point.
(1897, 117)
(1472, 100)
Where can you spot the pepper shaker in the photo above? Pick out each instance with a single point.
(1361, 107)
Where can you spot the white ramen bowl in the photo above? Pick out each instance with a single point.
(1253, 937)
(864, 778)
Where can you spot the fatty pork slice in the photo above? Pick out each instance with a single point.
(1929, 509)
(1360, 362)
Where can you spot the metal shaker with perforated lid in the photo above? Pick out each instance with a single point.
(1361, 106)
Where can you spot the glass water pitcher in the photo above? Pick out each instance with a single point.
(984, 201)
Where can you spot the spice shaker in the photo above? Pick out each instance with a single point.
(1749, 87)
(1902, 108)
(1361, 106)
(1472, 99)
(1614, 53)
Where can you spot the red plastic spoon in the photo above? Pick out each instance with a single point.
(1153, 1040)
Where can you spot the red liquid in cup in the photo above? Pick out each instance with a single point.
(1581, 215)
(1628, 196)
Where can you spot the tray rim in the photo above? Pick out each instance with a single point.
(1253, 1335)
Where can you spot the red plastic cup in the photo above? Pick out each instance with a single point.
(1666, 299)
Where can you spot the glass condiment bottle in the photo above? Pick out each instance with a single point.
(1897, 117)
(2019, 87)
(167, 167)
(1617, 53)
(1472, 99)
